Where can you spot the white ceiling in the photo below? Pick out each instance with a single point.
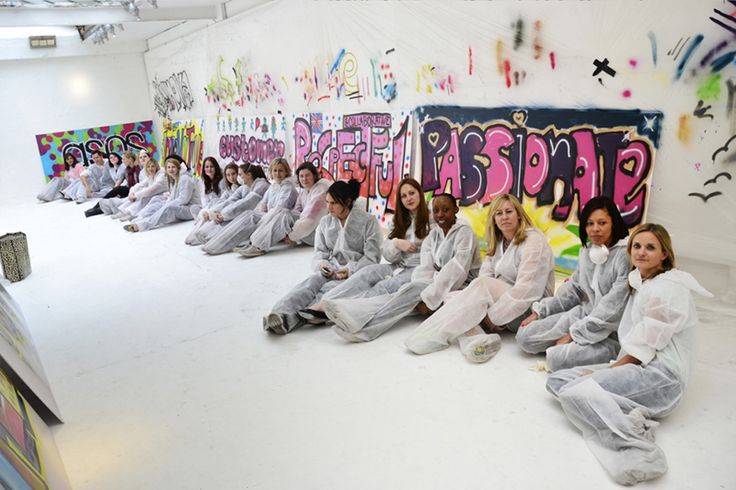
(170, 17)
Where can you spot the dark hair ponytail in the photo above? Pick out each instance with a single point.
(345, 193)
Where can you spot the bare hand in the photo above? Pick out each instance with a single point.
(566, 339)
(586, 372)
(218, 218)
(326, 271)
(405, 245)
(424, 309)
(342, 274)
(131, 197)
(89, 192)
(205, 215)
(526, 321)
(289, 241)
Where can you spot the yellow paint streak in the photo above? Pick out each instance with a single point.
(683, 129)
(499, 56)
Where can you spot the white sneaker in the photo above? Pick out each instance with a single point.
(250, 251)
(480, 348)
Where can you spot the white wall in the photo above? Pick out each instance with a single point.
(284, 39)
(42, 96)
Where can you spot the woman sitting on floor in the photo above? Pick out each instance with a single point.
(280, 194)
(578, 324)
(408, 229)
(613, 404)
(346, 240)
(182, 204)
(245, 198)
(296, 225)
(449, 260)
(152, 185)
(72, 170)
(517, 273)
(228, 185)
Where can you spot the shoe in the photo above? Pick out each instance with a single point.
(125, 217)
(250, 251)
(274, 323)
(96, 210)
(310, 314)
(116, 215)
(480, 348)
(131, 228)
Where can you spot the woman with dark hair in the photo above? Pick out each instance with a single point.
(613, 404)
(578, 324)
(280, 194)
(212, 184)
(346, 240)
(517, 271)
(182, 204)
(296, 225)
(245, 198)
(110, 201)
(228, 185)
(449, 260)
(72, 170)
(94, 181)
(408, 230)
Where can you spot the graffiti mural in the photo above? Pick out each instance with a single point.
(373, 148)
(82, 142)
(554, 160)
(186, 139)
(248, 139)
(172, 94)
(243, 88)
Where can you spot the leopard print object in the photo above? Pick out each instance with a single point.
(14, 256)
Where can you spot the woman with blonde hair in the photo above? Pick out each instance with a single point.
(182, 204)
(614, 404)
(517, 271)
(152, 185)
(280, 194)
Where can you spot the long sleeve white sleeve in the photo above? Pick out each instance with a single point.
(454, 272)
(532, 279)
(312, 210)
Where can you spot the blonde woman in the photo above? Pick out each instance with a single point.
(517, 271)
(152, 185)
(182, 204)
(614, 404)
(281, 194)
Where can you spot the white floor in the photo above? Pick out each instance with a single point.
(157, 359)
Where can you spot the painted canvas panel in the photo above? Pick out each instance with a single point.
(18, 354)
(29, 459)
(82, 142)
(247, 139)
(554, 160)
(186, 139)
(373, 148)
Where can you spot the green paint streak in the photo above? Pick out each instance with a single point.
(710, 89)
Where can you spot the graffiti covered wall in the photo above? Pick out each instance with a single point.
(186, 139)
(554, 160)
(372, 148)
(82, 142)
(247, 139)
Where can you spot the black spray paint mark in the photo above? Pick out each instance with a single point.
(732, 26)
(701, 111)
(722, 148)
(519, 35)
(705, 197)
(390, 50)
(714, 180)
(602, 66)
(676, 50)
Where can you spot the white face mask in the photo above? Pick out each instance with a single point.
(240, 180)
(635, 279)
(598, 254)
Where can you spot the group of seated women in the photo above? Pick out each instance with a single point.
(235, 209)
(618, 335)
